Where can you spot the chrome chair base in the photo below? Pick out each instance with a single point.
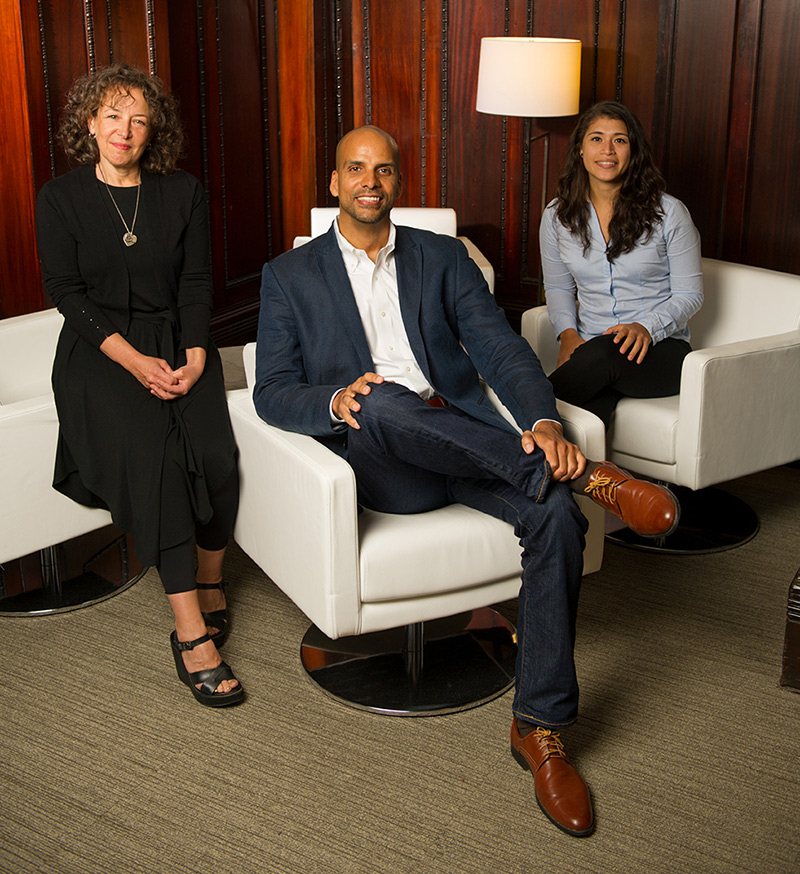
(452, 664)
(71, 575)
(712, 520)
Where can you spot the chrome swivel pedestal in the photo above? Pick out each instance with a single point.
(78, 573)
(448, 665)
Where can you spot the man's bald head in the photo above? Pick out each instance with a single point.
(346, 141)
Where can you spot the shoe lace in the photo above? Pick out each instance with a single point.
(604, 486)
(552, 741)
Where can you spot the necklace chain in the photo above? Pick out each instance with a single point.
(129, 238)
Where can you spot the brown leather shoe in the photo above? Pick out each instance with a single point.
(561, 793)
(646, 508)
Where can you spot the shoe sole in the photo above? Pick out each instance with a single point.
(575, 833)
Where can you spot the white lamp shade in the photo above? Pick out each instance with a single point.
(529, 76)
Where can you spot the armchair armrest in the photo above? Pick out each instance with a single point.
(537, 329)
(297, 516)
(33, 514)
(481, 260)
(27, 348)
(739, 409)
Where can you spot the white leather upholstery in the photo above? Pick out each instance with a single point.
(354, 573)
(32, 514)
(436, 219)
(738, 411)
(351, 573)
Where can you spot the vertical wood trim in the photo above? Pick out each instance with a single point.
(367, 43)
(20, 282)
(623, 8)
(665, 74)
(744, 94)
(221, 121)
(423, 103)
(445, 102)
(265, 107)
(47, 102)
(297, 117)
(89, 23)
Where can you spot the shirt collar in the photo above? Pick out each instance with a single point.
(352, 256)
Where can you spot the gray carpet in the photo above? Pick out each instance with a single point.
(691, 748)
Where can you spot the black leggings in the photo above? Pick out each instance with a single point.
(176, 564)
(597, 375)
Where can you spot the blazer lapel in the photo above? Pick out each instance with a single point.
(408, 259)
(334, 277)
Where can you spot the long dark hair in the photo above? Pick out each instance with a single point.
(87, 95)
(637, 208)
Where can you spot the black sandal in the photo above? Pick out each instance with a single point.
(217, 618)
(210, 679)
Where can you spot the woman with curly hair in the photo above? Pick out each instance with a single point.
(143, 421)
(628, 253)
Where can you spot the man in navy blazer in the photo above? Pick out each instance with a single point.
(371, 338)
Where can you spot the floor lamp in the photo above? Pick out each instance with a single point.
(533, 77)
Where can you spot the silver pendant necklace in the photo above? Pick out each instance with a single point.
(129, 238)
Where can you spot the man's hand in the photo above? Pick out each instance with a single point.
(565, 459)
(568, 341)
(346, 402)
(635, 340)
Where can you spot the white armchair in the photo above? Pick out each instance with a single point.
(34, 517)
(361, 574)
(738, 411)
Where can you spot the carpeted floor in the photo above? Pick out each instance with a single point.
(690, 746)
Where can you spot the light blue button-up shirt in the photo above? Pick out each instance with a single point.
(658, 284)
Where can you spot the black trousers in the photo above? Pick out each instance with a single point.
(598, 375)
(176, 565)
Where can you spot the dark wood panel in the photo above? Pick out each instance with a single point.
(268, 86)
(480, 172)
(700, 106)
(771, 235)
(645, 78)
(20, 289)
(243, 147)
(396, 32)
(298, 121)
(127, 36)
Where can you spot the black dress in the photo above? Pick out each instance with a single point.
(152, 463)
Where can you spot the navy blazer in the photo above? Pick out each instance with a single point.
(311, 341)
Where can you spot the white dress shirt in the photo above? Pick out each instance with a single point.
(375, 290)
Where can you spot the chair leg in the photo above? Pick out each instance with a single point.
(448, 665)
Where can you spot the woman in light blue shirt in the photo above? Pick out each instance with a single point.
(629, 255)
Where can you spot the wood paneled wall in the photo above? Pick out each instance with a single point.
(268, 86)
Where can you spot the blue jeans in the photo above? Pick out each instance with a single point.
(410, 458)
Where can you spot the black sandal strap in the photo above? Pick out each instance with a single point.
(221, 585)
(212, 678)
(183, 645)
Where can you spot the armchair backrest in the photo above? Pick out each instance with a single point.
(744, 303)
(438, 220)
(27, 349)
